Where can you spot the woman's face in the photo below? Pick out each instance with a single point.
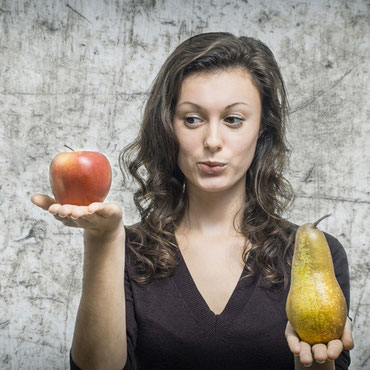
(217, 119)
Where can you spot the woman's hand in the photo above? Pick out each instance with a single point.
(320, 352)
(97, 219)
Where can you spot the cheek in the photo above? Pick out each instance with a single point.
(187, 147)
(245, 151)
(183, 155)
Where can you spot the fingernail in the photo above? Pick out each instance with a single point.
(308, 365)
(320, 362)
(74, 218)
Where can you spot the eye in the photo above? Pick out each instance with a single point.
(231, 120)
(191, 120)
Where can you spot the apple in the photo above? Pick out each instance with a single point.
(80, 178)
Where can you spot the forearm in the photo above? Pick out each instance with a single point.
(99, 340)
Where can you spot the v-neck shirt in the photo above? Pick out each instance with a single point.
(209, 321)
(170, 326)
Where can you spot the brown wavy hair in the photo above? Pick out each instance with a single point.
(161, 196)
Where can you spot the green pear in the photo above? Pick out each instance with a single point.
(316, 306)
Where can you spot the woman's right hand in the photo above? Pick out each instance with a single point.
(97, 219)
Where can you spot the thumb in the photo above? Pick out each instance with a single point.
(43, 201)
(347, 338)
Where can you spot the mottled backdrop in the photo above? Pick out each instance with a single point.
(77, 72)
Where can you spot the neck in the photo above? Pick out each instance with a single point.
(213, 213)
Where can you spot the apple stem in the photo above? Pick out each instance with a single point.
(68, 147)
(320, 219)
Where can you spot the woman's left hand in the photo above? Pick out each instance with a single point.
(320, 352)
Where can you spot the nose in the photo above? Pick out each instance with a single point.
(213, 139)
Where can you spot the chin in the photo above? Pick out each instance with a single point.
(219, 184)
(214, 188)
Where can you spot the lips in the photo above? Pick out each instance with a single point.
(213, 164)
(212, 168)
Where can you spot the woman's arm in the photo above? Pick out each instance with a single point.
(99, 340)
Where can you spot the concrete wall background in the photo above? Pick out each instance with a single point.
(77, 72)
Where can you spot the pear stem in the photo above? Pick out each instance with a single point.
(68, 147)
(320, 219)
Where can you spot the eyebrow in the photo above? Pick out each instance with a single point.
(199, 107)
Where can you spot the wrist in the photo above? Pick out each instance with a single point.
(104, 258)
(104, 236)
(99, 246)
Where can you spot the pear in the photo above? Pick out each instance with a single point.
(315, 306)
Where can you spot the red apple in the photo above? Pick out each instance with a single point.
(80, 178)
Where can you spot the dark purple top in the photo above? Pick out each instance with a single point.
(170, 326)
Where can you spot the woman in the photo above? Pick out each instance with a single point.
(201, 281)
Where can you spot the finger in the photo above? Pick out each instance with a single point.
(305, 355)
(335, 348)
(59, 211)
(347, 338)
(292, 339)
(75, 213)
(42, 200)
(87, 215)
(71, 221)
(65, 210)
(54, 208)
(66, 221)
(320, 352)
(105, 209)
(78, 212)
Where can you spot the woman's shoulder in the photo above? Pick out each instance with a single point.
(338, 253)
(334, 244)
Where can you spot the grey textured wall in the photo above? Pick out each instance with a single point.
(77, 72)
